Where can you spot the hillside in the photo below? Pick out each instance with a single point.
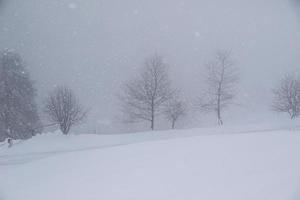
(209, 164)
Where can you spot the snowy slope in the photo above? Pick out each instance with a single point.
(257, 165)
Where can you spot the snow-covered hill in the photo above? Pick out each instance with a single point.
(208, 164)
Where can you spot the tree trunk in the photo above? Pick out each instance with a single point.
(152, 115)
(152, 120)
(220, 121)
(152, 124)
(173, 124)
(64, 129)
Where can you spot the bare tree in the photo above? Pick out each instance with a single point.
(143, 98)
(64, 109)
(175, 109)
(221, 80)
(287, 97)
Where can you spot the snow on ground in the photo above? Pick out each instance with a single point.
(195, 164)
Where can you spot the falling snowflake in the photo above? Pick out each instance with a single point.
(72, 6)
(197, 34)
(136, 12)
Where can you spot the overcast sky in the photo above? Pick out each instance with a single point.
(95, 45)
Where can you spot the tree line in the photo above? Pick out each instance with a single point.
(145, 98)
(152, 94)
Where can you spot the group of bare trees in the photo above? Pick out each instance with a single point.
(145, 98)
(151, 94)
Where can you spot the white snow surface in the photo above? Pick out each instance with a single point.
(241, 163)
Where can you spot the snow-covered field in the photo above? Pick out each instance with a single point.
(241, 163)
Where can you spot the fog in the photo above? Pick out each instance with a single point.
(94, 46)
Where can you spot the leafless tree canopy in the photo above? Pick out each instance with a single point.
(222, 77)
(144, 97)
(64, 109)
(287, 97)
(18, 112)
(175, 109)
